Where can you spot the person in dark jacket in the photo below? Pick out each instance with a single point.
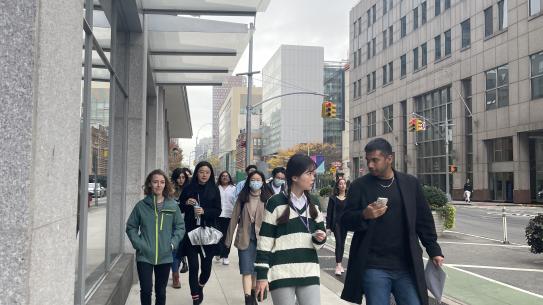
(277, 185)
(180, 180)
(385, 255)
(155, 228)
(468, 188)
(201, 203)
(336, 204)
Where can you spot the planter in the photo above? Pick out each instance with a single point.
(323, 201)
(438, 220)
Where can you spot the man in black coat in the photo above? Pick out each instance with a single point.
(385, 255)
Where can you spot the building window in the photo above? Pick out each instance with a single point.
(497, 87)
(373, 80)
(468, 127)
(356, 167)
(448, 43)
(390, 72)
(415, 18)
(354, 90)
(385, 79)
(466, 33)
(385, 39)
(536, 75)
(535, 7)
(384, 7)
(447, 4)
(488, 22)
(501, 149)
(388, 121)
(354, 29)
(374, 40)
(368, 55)
(403, 65)
(423, 12)
(437, 7)
(390, 36)
(369, 18)
(424, 51)
(357, 128)
(437, 46)
(371, 124)
(415, 59)
(403, 28)
(502, 15)
(355, 61)
(368, 79)
(359, 92)
(374, 12)
(359, 57)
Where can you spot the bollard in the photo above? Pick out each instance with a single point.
(504, 224)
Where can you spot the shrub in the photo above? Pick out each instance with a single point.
(435, 197)
(448, 212)
(325, 191)
(534, 234)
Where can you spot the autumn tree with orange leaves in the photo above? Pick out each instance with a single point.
(330, 152)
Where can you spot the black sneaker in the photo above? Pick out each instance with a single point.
(184, 265)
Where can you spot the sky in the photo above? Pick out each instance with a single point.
(297, 22)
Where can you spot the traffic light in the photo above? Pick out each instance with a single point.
(326, 111)
(333, 112)
(412, 124)
(453, 168)
(421, 125)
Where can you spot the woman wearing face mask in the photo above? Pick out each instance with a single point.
(291, 232)
(247, 218)
(277, 185)
(228, 198)
(155, 228)
(201, 203)
(333, 215)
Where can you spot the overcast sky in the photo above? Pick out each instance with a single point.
(298, 22)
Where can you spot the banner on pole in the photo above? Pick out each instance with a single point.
(319, 160)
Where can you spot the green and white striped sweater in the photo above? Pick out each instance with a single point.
(286, 254)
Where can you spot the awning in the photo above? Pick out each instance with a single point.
(205, 7)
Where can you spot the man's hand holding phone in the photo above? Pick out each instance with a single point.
(376, 209)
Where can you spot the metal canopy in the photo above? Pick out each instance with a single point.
(194, 51)
(205, 7)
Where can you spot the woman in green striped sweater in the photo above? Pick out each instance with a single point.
(292, 230)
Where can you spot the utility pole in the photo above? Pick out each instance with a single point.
(248, 137)
(447, 185)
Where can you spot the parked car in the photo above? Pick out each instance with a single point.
(100, 191)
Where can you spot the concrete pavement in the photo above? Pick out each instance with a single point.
(224, 287)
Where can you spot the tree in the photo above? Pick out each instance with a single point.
(330, 152)
(175, 156)
(214, 161)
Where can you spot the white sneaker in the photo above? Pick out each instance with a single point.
(225, 261)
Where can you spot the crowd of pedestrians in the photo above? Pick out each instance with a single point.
(278, 227)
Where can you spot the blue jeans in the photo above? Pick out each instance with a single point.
(378, 284)
(176, 262)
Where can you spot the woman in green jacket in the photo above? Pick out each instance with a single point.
(155, 228)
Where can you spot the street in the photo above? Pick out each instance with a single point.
(480, 268)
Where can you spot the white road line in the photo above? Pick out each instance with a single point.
(492, 280)
(478, 236)
(481, 244)
(493, 268)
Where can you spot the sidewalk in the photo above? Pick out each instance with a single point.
(500, 204)
(224, 287)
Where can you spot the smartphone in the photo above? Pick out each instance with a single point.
(382, 201)
(265, 296)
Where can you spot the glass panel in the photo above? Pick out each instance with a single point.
(437, 47)
(503, 76)
(437, 7)
(488, 22)
(503, 96)
(466, 32)
(448, 42)
(537, 87)
(535, 7)
(537, 64)
(490, 79)
(98, 179)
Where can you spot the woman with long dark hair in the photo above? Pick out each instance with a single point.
(336, 203)
(154, 247)
(247, 218)
(291, 232)
(180, 180)
(228, 199)
(201, 203)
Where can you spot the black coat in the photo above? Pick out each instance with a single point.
(270, 188)
(210, 201)
(334, 212)
(420, 225)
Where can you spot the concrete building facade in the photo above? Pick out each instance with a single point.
(474, 64)
(292, 69)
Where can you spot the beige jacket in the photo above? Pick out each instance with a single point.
(243, 235)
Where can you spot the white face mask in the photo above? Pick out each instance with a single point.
(278, 182)
(255, 185)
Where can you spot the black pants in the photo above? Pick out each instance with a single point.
(340, 235)
(145, 274)
(193, 253)
(223, 224)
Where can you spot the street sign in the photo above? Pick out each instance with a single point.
(319, 160)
